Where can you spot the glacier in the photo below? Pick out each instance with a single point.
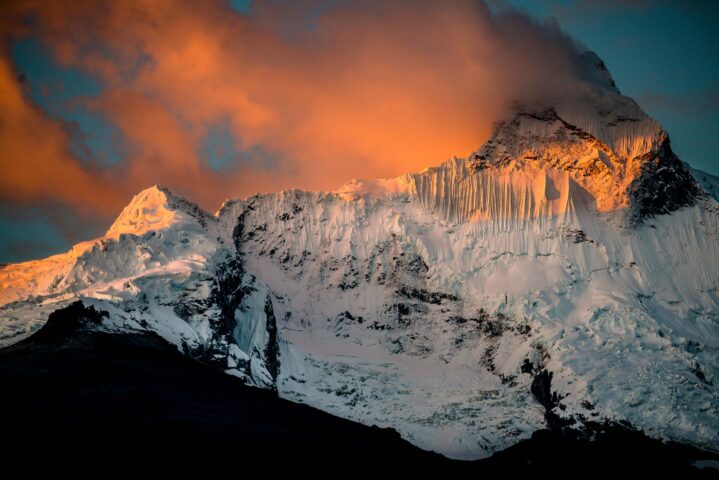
(572, 253)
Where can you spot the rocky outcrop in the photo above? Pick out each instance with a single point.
(662, 186)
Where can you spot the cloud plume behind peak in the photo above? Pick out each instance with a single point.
(215, 103)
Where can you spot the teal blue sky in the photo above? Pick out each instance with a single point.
(664, 54)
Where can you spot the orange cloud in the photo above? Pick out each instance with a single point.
(369, 89)
(35, 158)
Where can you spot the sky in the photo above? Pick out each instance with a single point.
(99, 100)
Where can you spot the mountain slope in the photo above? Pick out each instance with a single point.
(565, 275)
(110, 391)
(83, 398)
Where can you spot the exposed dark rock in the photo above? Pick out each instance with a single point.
(542, 390)
(272, 349)
(488, 358)
(698, 370)
(351, 275)
(426, 296)
(527, 366)
(523, 329)
(402, 309)
(576, 235)
(457, 320)
(663, 186)
(494, 326)
(411, 263)
(178, 203)
(66, 321)
(227, 294)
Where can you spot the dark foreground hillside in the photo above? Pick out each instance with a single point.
(73, 398)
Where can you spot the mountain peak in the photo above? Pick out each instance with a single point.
(155, 208)
(596, 71)
(603, 140)
(148, 210)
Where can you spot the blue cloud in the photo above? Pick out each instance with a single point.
(220, 150)
(61, 92)
(242, 6)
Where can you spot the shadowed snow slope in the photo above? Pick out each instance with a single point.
(573, 242)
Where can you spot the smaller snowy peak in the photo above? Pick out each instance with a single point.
(148, 210)
(156, 208)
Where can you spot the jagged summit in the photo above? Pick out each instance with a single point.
(632, 168)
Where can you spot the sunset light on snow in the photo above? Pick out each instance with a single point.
(477, 237)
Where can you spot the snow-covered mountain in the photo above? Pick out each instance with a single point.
(566, 273)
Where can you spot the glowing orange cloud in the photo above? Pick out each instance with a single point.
(369, 89)
(35, 158)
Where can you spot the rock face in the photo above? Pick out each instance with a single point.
(568, 270)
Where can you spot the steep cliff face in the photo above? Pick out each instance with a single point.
(564, 274)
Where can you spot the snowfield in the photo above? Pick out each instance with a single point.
(573, 242)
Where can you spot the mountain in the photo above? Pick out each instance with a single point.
(564, 276)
